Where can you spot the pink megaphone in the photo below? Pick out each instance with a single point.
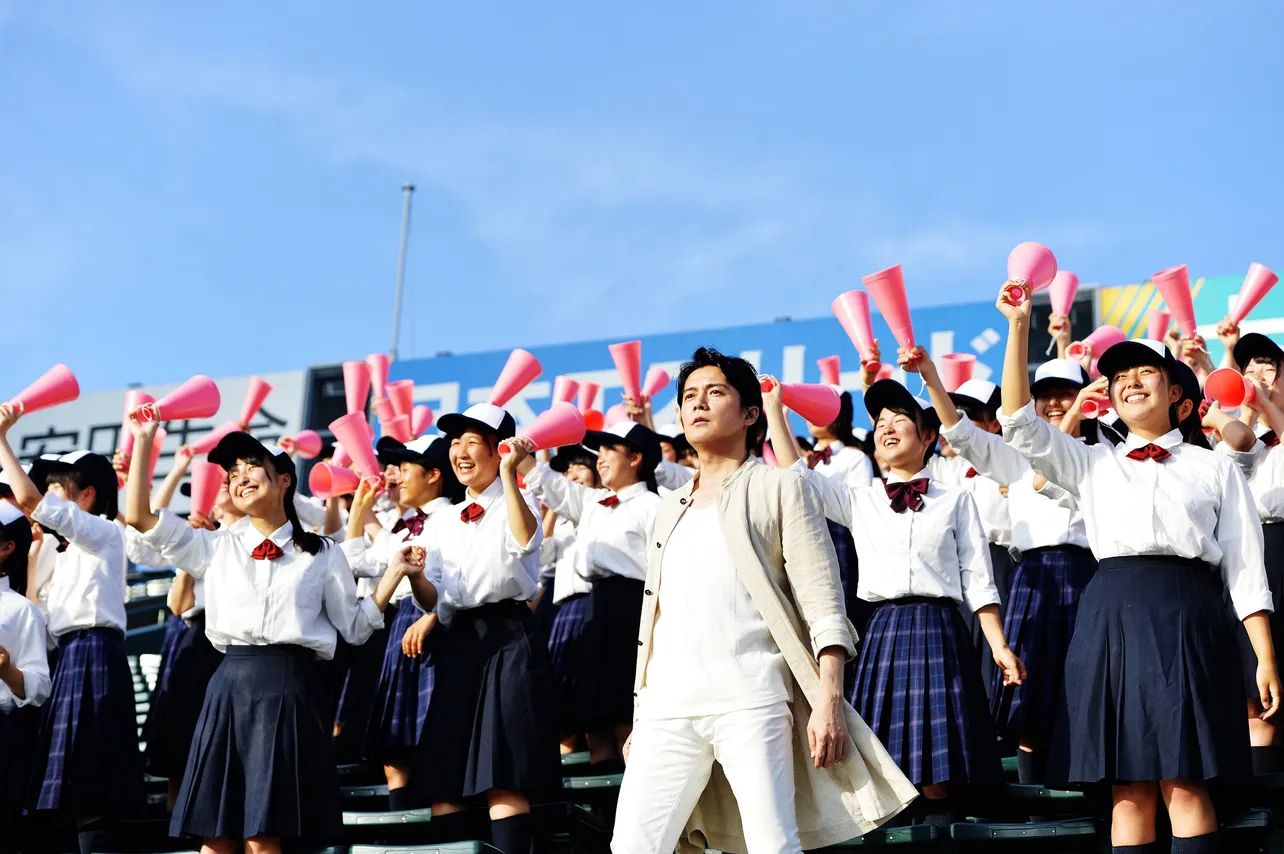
(628, 364)
(402, 396)
(353, 431)
(588, 397)
(887, 288)
(885, 372)
(561, 424)
(769, 455)
(384, 409)
(1101, 340)
(327, 481)
(1228, 387)
(614, 415)
(594, 420)
(1174, 286)
(134, 398)
(57, 385)
(564, 389)
(211, 439)
(378, 364)
(518, 373)
(1033, 266)
(1157, 324)
(852, 310)
(255, 394)
(356, 385)
(817, 404)
(196, 398)
(955, 369)
(420, 420)
(340, 458)
(305, 443)
(158, 444)
(1256, 285)
(207, 478)
(1062, 291)
(1094, 408)
(398, 427)
(656, 380)
(830, 370)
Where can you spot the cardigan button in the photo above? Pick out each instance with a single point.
(658, 546)
(682, 501)
(639, 643)
(647, 592)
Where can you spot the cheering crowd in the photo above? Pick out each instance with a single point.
(781, 641)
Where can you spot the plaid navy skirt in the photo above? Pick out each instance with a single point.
(1042, 606)
(404, 687)
(176, 704)
(918, 686)
(1152, 679)
(563, 654)
(262, 761)
(87, 759)
(1274, 554)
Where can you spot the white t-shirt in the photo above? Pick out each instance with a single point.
(711, 651)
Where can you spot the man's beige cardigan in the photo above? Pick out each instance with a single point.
(774, 525)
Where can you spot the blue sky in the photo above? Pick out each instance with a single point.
(176, 176)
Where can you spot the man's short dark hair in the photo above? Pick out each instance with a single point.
(741, 375)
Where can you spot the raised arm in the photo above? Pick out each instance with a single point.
(561, 495)
(25, 493)
(164, 493)
(835, 496)
(138, 507)
(783, 441)
(522, 521)
(1237, 435)
(1016, 361)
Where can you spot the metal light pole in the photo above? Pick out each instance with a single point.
(407, 190)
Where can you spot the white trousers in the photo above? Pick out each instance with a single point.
(671, 759)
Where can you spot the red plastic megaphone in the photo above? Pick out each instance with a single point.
(817, 404)
(1093, 408)
(562, 424)
(1229, 388)
(594, 420)
(327, 481)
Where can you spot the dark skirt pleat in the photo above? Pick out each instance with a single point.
(1274, 554)
(262, 762)
(490, 723)
(174, 715)
(404, 688)
(357, 691)
(1042, 606)
(564, 656)
(174, 630)
(87, 758)
(18, 737)
(1152, 685)
(918, 686)
(608, 653)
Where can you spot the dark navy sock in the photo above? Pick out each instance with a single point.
(1206, 844)
(512, 835)
(1268, 760)
(1032, 768)
(1148, 848)
(401, 799)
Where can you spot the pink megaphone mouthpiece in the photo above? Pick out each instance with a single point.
(657, 378)
(354, 433)
(614, 415)
(378, 363)
(588, 397)
(1257, 283)
(402, 395)
(327, 481)
(852, 310)
(356, 385)
(830, 370)
(1062, 291)
(1227, 387)
(1173, 285)
(1101, 340)
(627, 357)
(134, 398)
(420, 420)
(196, 398)
(520, 371)
(207, 479)
(594, 420)
(887, 289)
(57, 385)
(1157, 324)
(817, 404)
(1093, 408)
(398, 427)
(255, 394)
(210, 440)
(564, 389)
(561, 424)
(307, 444)
(1033, 265)
(956, 369)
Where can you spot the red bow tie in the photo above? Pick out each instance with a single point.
(970, 473)
(472, 513)
(1151, 451)
(415, 524)
(907, 495)
(1269, 439)
(610, 501)
(267, 550)
(823, 456)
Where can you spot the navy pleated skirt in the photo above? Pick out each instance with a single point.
(177, 702)
(1152, 679)
(403, 690)
(358, 688)
(262, 762)
(918, 686)
(564, 656)
(87, 759)
(1042, 605)
(608, 653)
(1274, 554)
(490, 723)
(18, 735)
(174, 629)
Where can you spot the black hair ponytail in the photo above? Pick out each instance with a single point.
(303, 539)
(1192, 429)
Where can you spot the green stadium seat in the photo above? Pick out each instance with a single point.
(396, 817)
(925, 836)
(401, 827)
(364, 798)
(1079, 829)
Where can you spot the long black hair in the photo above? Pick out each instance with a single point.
(303, 539)
(14, 566)
(842, 426)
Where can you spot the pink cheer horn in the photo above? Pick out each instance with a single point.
(1257, 283)
(378, 364)
(353, 431)
(657, 378)
(1062, 291)
(817, 404)
(384, 409)
(402, 395)
(1157, 324)
(561, 424)
(1174, 286)
(564, 389)
(420, 420)
(134, 398)
(1101, 340)
(830, 370)
(852, 310)
(356, 385)
(628, 364)
(340, 458)
(614, 415)
(158, 443)
(1032, 266)
(588, 397)
(1226, 386)
(398, 427)
(887, 288)
(211, 439)
(955, 369)
(769, 455)
(594, 420)
(1093, 408)
(255, 394)
(305, 443)
(57, 385)
(327, 481)
(520, 370)
(196, 398)
(207, 478)
(885, 372)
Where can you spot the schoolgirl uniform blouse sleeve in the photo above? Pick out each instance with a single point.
(28, 655)
(835, 496)
(986, 452)
(812, 566)
(92, 533)
(976, 575)
(1239, 534)
(521, 550)
(138, 551)
(1247, 461)
(181, 544)
(1057, 456)
(560, 494)
(673, 476)
(355, 619)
